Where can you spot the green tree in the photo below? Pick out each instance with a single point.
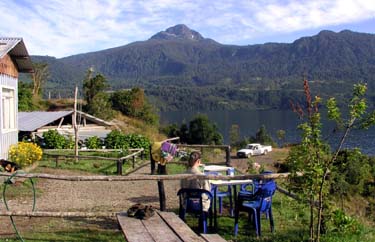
(202, 131)
(101, 106)
(25, 97)
(92, 86)
(98, 102)
(313, 158)
(134, 103)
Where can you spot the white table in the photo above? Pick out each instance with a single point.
(216, 168)
(232, 183)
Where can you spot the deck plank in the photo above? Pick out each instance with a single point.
(180, 227)
(213, 238)
(159, 230)
(133, 229)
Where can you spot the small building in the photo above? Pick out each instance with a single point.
(13, 60)
(34, 124)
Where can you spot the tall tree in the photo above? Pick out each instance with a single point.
(39, 77)
(203, 131)
(93, 86)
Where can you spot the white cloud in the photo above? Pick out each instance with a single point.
(60, 28)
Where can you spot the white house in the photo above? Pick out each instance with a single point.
(13, 60)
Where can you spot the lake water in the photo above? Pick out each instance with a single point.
(249, 122)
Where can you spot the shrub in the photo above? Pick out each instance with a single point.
(137, 141)
(93, 142)
(341, 222)
(114, 140)
(54, 140)
(25, 153)
(117, 140)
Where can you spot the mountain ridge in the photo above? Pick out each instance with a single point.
(200, 73)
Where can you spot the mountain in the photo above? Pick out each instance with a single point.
(181, 70)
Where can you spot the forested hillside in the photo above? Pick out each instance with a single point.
(181, 70)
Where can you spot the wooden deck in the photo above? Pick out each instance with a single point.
(163, 226)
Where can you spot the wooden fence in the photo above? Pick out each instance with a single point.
(103, 178)
(119, 161)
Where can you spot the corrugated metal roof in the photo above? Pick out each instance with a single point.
(17, 51)
(31, 121)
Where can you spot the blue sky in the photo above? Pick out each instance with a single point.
(61, 28)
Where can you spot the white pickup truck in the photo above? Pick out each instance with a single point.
(254, 149)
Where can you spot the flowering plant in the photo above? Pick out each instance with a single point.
(25, 153)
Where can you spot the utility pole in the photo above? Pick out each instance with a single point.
(75, 126)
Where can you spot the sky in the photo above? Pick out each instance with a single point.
(62, 28)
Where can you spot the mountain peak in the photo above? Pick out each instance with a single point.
(180, 32)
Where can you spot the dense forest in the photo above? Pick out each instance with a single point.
(181, 70)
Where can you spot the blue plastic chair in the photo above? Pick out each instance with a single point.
(220, 194)
(255, 204)
(191, 202)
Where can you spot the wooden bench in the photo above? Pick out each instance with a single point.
(212, 238)
(163, 226)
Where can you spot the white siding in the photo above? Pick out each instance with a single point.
(8, 138)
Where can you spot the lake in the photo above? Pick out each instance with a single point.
(249, 122)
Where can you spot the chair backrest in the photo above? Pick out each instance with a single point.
(249, 188)
(191, 198)
(265, 192)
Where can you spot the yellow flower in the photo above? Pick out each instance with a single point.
(25, 153)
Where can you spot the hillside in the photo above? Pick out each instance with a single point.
(180, 69)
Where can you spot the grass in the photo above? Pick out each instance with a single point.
(56, 229)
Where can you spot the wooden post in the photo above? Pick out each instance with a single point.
(119, 167)
(75, 126)
(162, 199)
(57, 161)
(133, 161)
(227, 156)
(152, 162)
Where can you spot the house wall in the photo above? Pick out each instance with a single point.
(8, 79)
(7, 67)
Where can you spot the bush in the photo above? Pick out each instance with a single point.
(25, 154)
(54, 140)
(117, 140)
(114, 140)
(137, 141)
(93, 142)
(340, 222)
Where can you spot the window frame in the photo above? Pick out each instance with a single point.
(12, 106)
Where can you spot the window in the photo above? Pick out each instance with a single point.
(9, 109)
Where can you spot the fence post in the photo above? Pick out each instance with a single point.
(57, 161)
(227, 156)
(133, 161)
(119, 167)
